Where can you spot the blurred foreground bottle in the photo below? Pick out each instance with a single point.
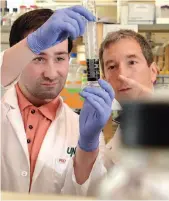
(143, 172)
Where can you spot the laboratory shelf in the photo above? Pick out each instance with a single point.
(141, 28)
(153, 27)
(161, 76)
(5, 29)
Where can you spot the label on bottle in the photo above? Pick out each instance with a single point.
(93, 70)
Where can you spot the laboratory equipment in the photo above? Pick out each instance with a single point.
(162, 11)
(79, 73)
(91, 51)
(23, 9)
(73, 59)
(6, 20)
(73, 66)
(33, 7)
(143, 170)
(14, 15)
(1, 15)
(84, 78)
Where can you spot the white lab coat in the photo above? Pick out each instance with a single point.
(112, 153)
(54, 171)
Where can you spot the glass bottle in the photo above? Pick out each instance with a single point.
(91, 49)
(14, 15)
(6, 20)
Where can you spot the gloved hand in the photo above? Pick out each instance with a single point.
(94, 114)
(137, 90)
(64, 23)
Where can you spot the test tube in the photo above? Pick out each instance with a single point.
(90, 38)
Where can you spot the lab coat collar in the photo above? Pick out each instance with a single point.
(116, 105)
(10, 98)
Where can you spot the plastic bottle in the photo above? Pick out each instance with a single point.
(73, 66)
(6, 20)
(23, 9)
(28, 9)
(79, 74)
(70, 83)
(1, 15)
(33, 7)
(1, 11)
(82, 67)
(14, 15)
(143, 171)
(73, 59)
(84, 79)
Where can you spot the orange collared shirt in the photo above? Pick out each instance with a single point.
(36, 122)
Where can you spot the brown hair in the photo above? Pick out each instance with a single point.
(114, 37)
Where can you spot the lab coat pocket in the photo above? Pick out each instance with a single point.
(60, 166)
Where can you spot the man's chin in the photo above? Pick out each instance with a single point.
(125, 97)
(47, 95)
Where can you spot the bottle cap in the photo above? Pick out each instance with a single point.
(145, 123)
(6, 9)
(73, 55)
(33, 6)
(22, 6)
(15, 9)
(83, 63)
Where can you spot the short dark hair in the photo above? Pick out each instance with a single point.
(116, 36)
(28, 22)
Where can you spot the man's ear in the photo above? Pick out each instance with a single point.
(102, 75)
(154, 71)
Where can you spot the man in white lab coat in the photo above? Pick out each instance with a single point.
(127, 64)
(46, 147)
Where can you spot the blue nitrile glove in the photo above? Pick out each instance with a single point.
(94, 114)
(64, 23)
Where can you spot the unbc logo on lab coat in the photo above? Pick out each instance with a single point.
(71, 151)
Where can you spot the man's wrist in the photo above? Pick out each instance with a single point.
(88, 146)
(83, 164)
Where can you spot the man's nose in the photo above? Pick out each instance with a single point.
(123, 70)
(50, 71)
